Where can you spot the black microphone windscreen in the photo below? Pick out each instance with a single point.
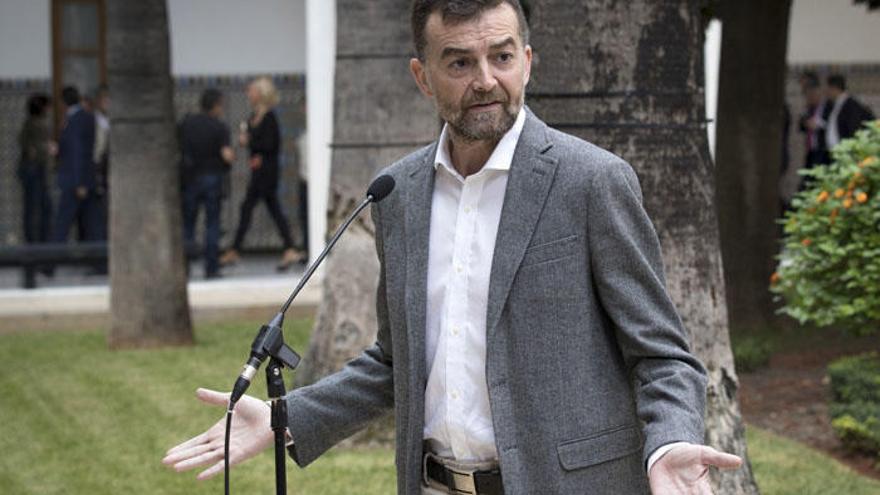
(381, 187)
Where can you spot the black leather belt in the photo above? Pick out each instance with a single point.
(464, 482)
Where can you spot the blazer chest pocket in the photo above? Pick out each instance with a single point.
(602, 447)
(550, 251)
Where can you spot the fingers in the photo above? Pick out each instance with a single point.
(196, 440)
(211, 471)
(174, 457)
(712, 457)
(212, 397)
(211, 456)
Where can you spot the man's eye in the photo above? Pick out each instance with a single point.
(459, 63)
(505, 57)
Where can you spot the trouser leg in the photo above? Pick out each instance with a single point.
(30, 202)
(244, 219)
(45, 216)
(279, 218)
(68, 208)
(90, 215)
(211, 197)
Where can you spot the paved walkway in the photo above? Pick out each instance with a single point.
(251, 289)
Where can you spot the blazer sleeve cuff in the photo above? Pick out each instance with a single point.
(661, 451)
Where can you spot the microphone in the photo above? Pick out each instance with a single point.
(381, 187)
(270, 341)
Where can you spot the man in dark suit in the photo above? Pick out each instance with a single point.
(76, 170)
(526, 341)
(206, 156)
(811, 120)
(844, 114)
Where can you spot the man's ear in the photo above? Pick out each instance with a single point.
(528, 62)
(419, 73)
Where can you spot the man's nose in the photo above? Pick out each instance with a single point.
(484, 79)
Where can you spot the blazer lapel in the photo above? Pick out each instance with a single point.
(531, 174)
(420, 188)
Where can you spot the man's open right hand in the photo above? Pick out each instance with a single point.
(251, 434)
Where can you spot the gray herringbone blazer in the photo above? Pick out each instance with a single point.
(588, 363)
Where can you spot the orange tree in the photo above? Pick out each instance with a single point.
(829, 269)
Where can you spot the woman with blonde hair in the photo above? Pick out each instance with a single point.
(261, 134)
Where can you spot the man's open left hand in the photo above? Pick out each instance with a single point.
(684, 470)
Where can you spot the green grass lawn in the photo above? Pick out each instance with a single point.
(785, 467)
(78, 419)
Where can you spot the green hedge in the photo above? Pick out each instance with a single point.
(855, 407)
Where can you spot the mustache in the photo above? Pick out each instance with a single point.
(484, 98)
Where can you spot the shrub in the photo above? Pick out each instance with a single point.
(829, 270)
(855, 407)
(751, 353)
(856, 379)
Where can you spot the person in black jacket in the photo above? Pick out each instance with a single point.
(843, 114)
(205, 155)
(262, 136)
(37, 150)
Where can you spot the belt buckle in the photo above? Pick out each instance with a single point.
(456, 481)
(461, 482)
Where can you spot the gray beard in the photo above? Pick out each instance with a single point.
(483, 127)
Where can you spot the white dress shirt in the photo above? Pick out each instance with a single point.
(465, 213)
(464, 222)
(832, 132)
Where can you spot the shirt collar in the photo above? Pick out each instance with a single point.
(501, 157)
(73, 109)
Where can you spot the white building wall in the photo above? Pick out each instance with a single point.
(25, 39)
(833, 31)
(207, 37)
(237, 37)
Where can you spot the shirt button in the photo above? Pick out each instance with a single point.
(467, 209)
(455, 330)
(454, 394)
(458, 268)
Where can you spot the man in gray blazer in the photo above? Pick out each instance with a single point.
(526, 341)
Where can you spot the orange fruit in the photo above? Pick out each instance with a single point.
(823, 196)
(847, 203)
(806, 242)
(839, 193)
(861, 197)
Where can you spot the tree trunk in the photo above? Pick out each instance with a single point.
(628, 76)
(148, 297)
(751, 97)
(379, 117)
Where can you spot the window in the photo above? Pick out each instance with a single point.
(78, 55)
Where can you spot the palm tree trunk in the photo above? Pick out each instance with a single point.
(148, 297)
(628, 76)
(379, 117)
(749, 153)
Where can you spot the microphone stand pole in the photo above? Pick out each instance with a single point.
(275, 385)
(270, 342)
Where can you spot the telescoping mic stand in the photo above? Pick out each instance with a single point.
(270, 343)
